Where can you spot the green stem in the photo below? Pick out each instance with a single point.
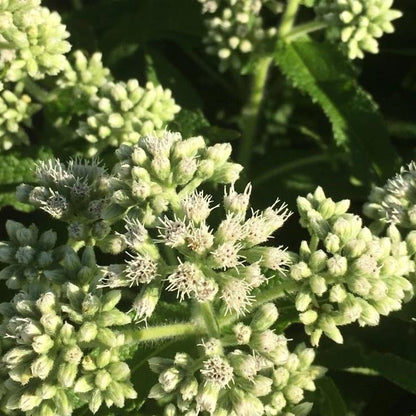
(304, 29)
(135, 335)
(208, 316)
(35, 91)
(313, 245)
(292, 166)
(251, 111)
(267, 295)
(289, 17)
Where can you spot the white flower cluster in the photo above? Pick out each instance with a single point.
(358, 23)
(76, 192)
(268, 380)
(31, 258)
(395, 202)
(76, 84)
(161, 170)
(16, 110)
(223, 265)
(123, 112)
(346, 273)
(64, 342)
(32, 40)
(235, 30)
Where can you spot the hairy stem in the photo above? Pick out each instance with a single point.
(207, 314)
(154, 333)
(251, 111)
(35, 90)
(289, 17)
(304, 29)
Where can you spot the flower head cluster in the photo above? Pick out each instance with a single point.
(56, 346)
(122, 112)
(224, 264)
(31, 258)
(347, 274)
(358, 23)
(254, 383)
(235, 30)
(32, 38)
(75, 192)
(77, 83)
(161, 170)
(395, 202)
(16, 110)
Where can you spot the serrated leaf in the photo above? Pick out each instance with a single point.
(321, 71)
(331, 403)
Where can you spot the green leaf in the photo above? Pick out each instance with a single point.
(321, 71)
(331, 403)
(395, 369)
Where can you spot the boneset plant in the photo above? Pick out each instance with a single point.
(145, 281)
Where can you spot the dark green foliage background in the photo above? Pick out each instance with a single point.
(295, 150)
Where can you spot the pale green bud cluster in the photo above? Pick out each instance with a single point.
(31, 258)
(163, 169)
(76, 84)
(16, 110)
(346, 273)
(395, 202)
(358, 23)
(64, 343)
(75, 192)
(123, 112)
(32, 40)
(235, 383)
(235, 30)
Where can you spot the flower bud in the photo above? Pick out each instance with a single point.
(41, 367)
(293, 394)
(300, 271)
(207, 397)
(242, 333)
(317, 284)
(67, 373)
(170, 378)
(308, 317)
(337, 265)
(332, 243)
(42, 344)
(265, 316)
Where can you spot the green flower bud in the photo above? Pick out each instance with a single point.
(337, 265)
(42, 344)
(84, 384)
(41, 367)
(102, 379)
(300, 271)
(170, 378)
(317, 285)
(293, 394)
(308, 317)
(265, 316)
(207, 397)
(189, 388)
(332, 243)
(67, 373)
(96, 401)
(303, 300)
